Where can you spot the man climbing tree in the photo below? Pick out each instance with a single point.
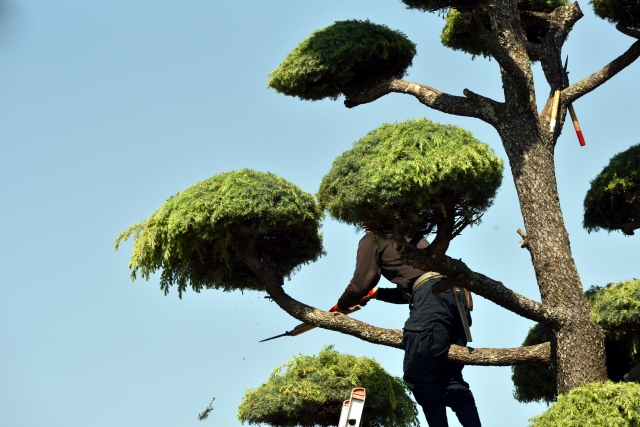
(246, 230)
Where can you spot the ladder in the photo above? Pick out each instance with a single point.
(352, 409)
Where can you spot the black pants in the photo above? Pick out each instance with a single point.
(435, 381)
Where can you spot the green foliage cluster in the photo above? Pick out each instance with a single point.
(534, 382)
(403, 176)
(196, 237)
(614, 196)
(436, 5)
(624, 12)
(346, 56)
(309, 391)
(594, 405)
(455, 35)
(615, 307)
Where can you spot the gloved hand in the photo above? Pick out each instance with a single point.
(335, 309)
(371, 294)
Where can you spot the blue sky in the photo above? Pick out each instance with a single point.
(109, 108)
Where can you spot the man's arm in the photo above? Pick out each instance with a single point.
(365, 277)
(392, 295)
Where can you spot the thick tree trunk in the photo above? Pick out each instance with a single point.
(578, 350)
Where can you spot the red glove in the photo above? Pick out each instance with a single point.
(335, 309)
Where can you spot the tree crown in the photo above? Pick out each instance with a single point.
(613, 200)
(348, 55)
(310, 390)
(197, 236)
(407, 176)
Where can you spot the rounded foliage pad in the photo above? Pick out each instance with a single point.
(594, 404)
(613, 201)
(534, 382)
(346, 56)
(197, 236)
(310, 390)
(624, 12)
(406, 176)
(616, 307)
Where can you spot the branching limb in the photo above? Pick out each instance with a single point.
(586, 85)
(628, 31)
(478, 31)
(627, 228)
(471, 106)
(561, 22)
(461, 275)
(272, 281)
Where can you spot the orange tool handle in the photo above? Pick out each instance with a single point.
(576, 125)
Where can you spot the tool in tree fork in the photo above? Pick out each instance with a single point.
(556, 101)
(351, 412)
(304, 327)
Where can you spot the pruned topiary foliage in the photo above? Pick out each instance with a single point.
(408, 176)
(310, 390)
(615, 307)
(594, 405)
(534, 382)
(455, 35)
(623, 12)
(346, 56)
(613, 201)
(196, 237)
(436, 5)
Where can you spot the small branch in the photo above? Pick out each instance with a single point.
(523, 243)
(461, 275)
(627, 228)
(628, 31)
(272, 281)
(586, 85)
(430, 97)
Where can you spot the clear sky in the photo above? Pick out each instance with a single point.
(107, 108)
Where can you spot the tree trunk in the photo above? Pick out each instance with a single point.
(578, 349)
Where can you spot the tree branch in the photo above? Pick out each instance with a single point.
(472, 106)
(461, 275)
(539, 353)
(586, 85)
(628, 31)
(627, 228)
(272, 280)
